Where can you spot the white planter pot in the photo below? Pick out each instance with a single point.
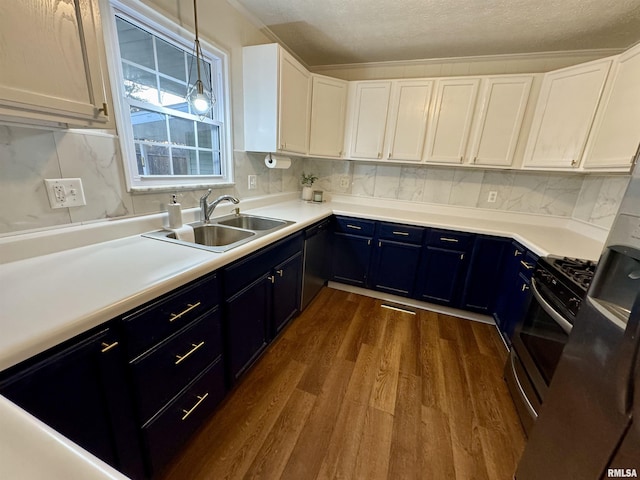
(307, 193)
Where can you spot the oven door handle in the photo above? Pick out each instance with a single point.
(564, 324)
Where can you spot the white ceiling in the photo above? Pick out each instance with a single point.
(327, 32)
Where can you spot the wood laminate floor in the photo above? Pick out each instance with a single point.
(353, 390)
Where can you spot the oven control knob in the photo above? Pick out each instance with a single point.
(575, 302)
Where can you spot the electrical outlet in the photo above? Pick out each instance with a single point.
(253, 182)
(344, 181)
(65, 192)
(493, 196)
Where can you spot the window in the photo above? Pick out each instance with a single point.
(164, 143)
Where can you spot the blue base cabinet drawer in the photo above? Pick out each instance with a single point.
(165, 370)
(156, 320)
(168, 431)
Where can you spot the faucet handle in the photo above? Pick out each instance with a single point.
(206, 195)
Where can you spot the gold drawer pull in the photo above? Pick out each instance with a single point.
(280, 272)
(200, 400)
(195, 347)
(447, 239)
(106, 347)
(525, 287)
(526, 265)
(355, 227)
(401, 233)
(175, 316)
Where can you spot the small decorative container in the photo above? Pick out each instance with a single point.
(317, 196)
(307, 193)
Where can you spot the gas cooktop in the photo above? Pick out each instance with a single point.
(577, 270)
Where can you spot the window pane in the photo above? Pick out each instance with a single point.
(139, 159)
(205, 131)
(148, 126)
(171, 60)
(206, 163)
(140, 84)
(157, 159)
(182, 159)
(182, 131)
(136, 45)
(173, 95)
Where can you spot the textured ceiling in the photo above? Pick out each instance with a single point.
(330, 32)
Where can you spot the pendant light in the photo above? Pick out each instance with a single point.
(200, 99)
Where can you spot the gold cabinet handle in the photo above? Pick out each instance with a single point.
(104, 109)
(475, 159)
(526, 265)
(406, 234)
(272, 278)
(180, 358)
(525, 287)
(355, 227)
(447, 239)
(279, 272)
(573, 163)
(462, 256)
(200, 400)
(517, 253)
(175, 316)
(461, 159)
(106, 347)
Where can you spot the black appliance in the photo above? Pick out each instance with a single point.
(559, 285)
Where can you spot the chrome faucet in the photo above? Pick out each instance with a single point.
(208, 208)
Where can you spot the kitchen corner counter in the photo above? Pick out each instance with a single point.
(50, 298)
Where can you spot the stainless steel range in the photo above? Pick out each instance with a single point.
(558, 285)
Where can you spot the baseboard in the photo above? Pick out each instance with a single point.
(409, 302)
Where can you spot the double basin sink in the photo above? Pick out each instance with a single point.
(224, 233)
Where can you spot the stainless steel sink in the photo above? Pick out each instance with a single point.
(225, 233)
(214, 235)
(251, 222)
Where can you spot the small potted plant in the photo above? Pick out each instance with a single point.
(307, 181)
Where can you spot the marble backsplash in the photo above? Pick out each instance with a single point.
(27, 156)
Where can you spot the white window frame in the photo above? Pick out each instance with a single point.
(166, 28)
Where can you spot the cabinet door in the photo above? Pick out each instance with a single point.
(56, 75)
(295, 105)
(441, 275)
(483, 277)
(286, 292)
(564, 114)
(369, 120)
(328, 106)
(395, 267)
(497, 126)
(408, 119)
(450, 126)
(614, 137)
(80, 392)
(351, 256)
(246, 320)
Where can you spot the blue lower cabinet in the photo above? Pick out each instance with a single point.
(246, 323)
(441, 275)
(484, 274)
(395, 267)
(79, 389)
(351, 259)
(262, 294)
(287, 282)
(514, 291)
(180, 418)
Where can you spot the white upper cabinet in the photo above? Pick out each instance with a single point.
(498, 121)
(328, 107)
(564, 114)
(277, 101)
(408, 116)
(616, 129)
(51, 63)
(369, 118)
(450, 125)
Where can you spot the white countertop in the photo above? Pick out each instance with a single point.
(50, 298)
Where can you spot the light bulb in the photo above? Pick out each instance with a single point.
(200, 103)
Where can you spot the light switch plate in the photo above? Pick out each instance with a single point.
(65, 192)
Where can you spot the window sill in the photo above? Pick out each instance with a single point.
(178, 188)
